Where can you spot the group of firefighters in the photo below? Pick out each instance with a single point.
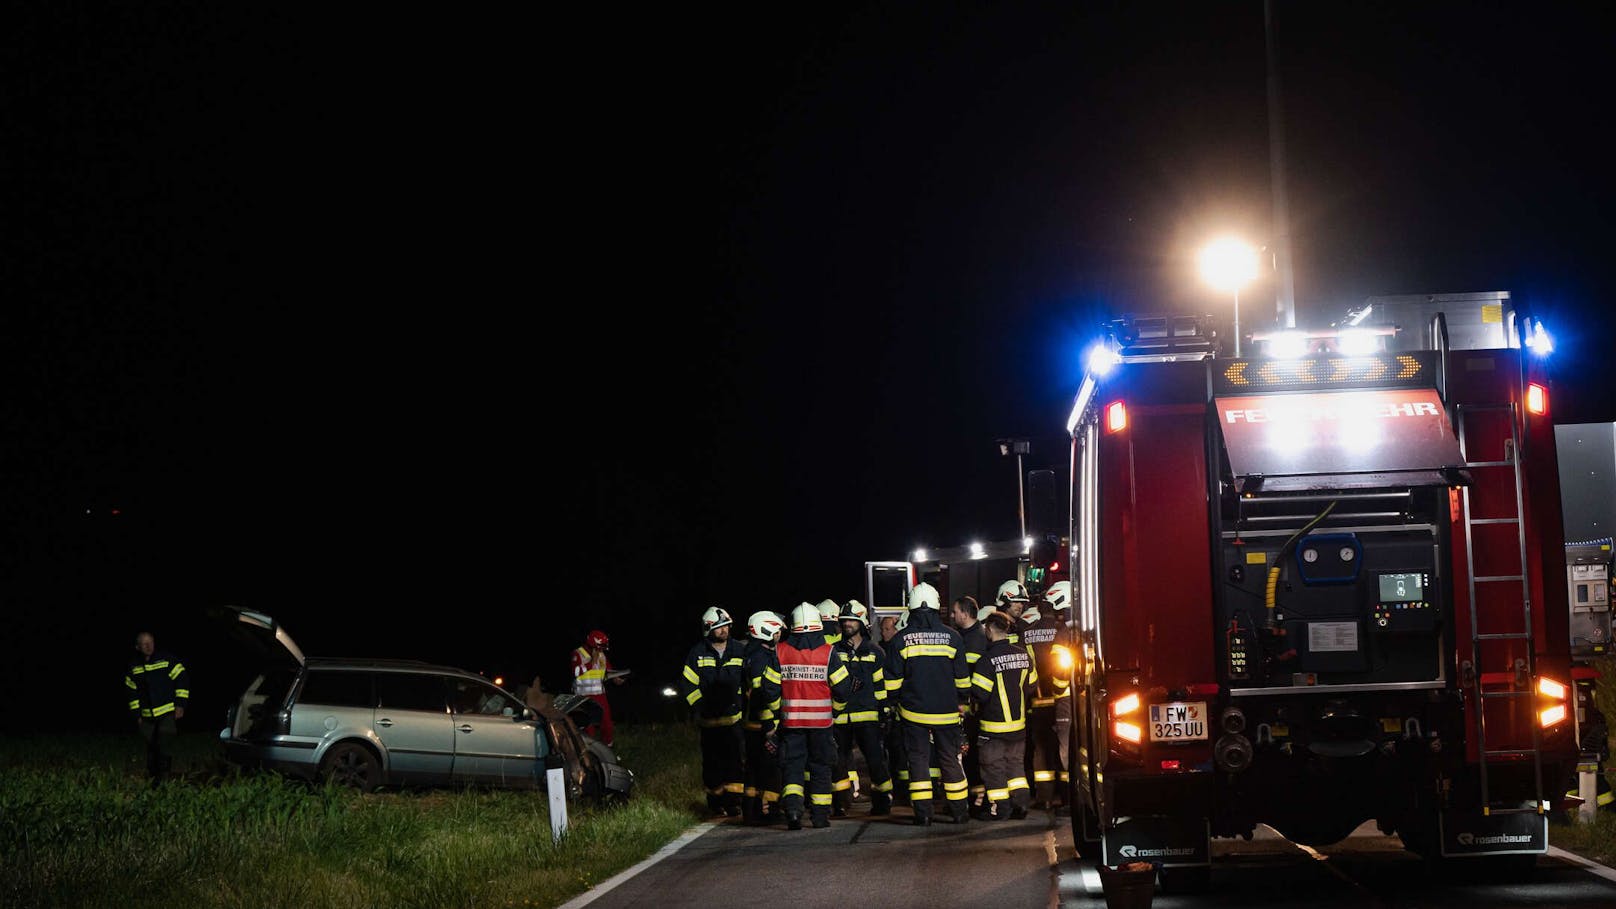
(969, 702)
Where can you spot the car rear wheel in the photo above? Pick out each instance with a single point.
(352, 765)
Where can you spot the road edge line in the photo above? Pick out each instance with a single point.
(1586, 864)
(611, 883)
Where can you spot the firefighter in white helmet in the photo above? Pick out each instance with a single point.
(932, 681)
(762, 777)
(858, 719)
(713, 684)
(1059, 597)
(1041, 632)
(1001, 686)
(812, 677)
(1012, 598)
(830, 617)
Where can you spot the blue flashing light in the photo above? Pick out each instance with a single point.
(1537, 338)
(1100, 359)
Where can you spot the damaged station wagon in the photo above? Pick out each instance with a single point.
(372, 722)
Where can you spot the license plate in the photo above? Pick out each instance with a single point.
(1178, 722)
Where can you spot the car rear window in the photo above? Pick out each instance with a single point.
(334, 688)
(410, 691)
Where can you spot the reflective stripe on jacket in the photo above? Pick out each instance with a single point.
(926, 667)
(1040, 639)
(867, 686)
(1003, 682)
(714, 682)
(589, 676)
(157, 686)
(762, 685)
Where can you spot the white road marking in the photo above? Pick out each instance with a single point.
(584, 899)
(1588, 865)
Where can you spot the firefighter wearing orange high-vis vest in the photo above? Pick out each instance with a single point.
(713, 684)
(932, 680)
(812, 676)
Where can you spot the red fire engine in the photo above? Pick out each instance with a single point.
(1318, 586)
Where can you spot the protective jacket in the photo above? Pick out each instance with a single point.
(1040, 639)
(1001, 685)
(928, 670)
(812, 676)
(867, 685)
(589, 672)
(157, 685)
(975, 641)
(713, 683)
(761, 707)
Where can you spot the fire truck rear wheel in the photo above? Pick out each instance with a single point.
(1083, 819)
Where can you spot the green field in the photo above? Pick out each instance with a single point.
(80, 827)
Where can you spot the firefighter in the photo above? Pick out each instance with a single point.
(1003, 681)
(963, 611)
(858, 719)
(1039, 634)
(159, 688)
(830, 618)
(1059, 597)
(1012, 598)
(713, 681)
(762, 776)
(812, 677)
(933, 685)
(590, 664)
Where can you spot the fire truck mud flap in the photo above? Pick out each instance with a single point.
(1171, 842)
(1466, 833)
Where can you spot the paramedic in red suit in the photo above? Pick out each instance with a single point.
(589, 667)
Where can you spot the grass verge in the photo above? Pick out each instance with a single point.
(79, 827)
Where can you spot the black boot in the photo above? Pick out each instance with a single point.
(923, 816)
(821, 819)
(751, 811)
(793, 820)
(960, 812)
(880, 803)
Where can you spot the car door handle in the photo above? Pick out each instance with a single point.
(464, 727)
(384, 722)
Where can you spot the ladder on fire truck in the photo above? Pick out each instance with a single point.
(1519, 691)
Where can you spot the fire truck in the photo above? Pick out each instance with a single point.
(1318, 585)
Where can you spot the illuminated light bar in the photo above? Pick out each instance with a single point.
(1551, 715)
(1169, 765)
(1125, 705)
(1128, 732)
(920, 555)
(1116, 417)
(1377, 370)
(1550, 688)
(1537, 399)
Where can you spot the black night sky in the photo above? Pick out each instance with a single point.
(453, 337)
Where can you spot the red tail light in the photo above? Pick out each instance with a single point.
(1116, 416)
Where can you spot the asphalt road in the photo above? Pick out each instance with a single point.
(887, 863)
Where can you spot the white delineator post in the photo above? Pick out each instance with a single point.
(1588, 790)
(555, 777)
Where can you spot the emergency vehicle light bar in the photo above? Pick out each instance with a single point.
(1333, 372)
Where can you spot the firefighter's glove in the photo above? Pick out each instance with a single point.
(771, 743)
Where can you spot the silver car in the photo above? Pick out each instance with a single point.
(368, 723)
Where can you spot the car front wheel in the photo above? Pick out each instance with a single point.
(352, 765)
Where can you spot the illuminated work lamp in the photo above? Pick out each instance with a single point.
(1116, 417)
(1537, 399)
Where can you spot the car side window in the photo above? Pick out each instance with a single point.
(471, 696)
(334, 688)
(409, 691)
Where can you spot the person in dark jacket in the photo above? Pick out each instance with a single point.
(858, 719)
(1040, 633)
(929, 673)
(159, 688)
(1001, 686)
(763, 780)
(713, 681)
(963, 611)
